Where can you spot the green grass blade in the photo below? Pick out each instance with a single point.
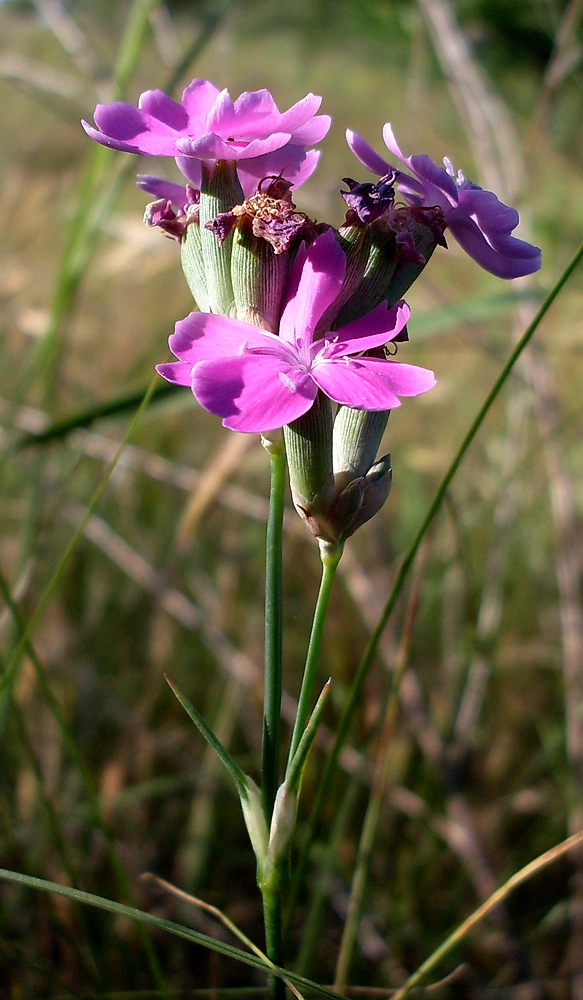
(236, 773)
(300, 757)
(12, 664)
(178, 930)
(404, 569)
(85, 418)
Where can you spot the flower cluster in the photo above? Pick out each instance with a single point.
(294, 315)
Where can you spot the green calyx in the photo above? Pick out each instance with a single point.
(220, 192)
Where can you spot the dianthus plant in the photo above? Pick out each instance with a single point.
(288, 340)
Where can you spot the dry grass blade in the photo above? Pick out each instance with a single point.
(495, 899)
(221, 465)
(222, 918)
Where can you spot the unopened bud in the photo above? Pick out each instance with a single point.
(308, 443)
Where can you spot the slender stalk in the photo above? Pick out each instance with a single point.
(369, 654)
(273, 937)
(329, 563)
(271, 894)
(273, 630)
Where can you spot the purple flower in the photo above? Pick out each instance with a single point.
(481, 223)
(207, 125)
(258, 381)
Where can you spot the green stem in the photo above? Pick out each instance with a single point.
(273, 630)
(273, 938)
(330, 560)
(369, 654)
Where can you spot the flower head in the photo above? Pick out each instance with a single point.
(258, 381)
(207, 125)
(481, 224)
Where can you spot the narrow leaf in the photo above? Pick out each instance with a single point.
(299, 759)
(238, 776)
(178, 930)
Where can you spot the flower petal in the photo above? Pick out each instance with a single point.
(378, 327)
(314, 285)
(371, 383)
(158, 105)
(366, 154)
(212, 147)
(122, 126)
(191, 168)
(161, 188)
(492, 216)
(204, 335)
(255, 114)
(313, 131)
(179, 372)
(198, 99)
(511, 258)
(291, 161)
(300, 114)
(253, 393)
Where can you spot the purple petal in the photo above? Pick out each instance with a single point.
(392, 144)
(253, 393)
(124, 127)
(212, 147)
(105, 140)
(312, 289)
(407, 184)
(426, 169)
(179, 372)
(512, 258)
(160, 188)
(157, 104)
(440, 188)
(300, 114)
(494, 218)
(198, 99)
(366, 154)
(221, 111)
(378, 327)
(191, 168)
(255, 115)
(312, 132)
(371, 383)
(291, 161)
(204, 335)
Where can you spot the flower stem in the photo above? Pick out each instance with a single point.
(330, 559)
(273, 938)
(273, 630)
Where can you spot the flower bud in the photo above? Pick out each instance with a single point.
(378, 270)
(308, 443)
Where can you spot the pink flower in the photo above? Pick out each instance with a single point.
(481, 223)
(207, 125)
(258, 381)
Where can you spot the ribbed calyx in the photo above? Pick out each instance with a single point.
(193, 265)
(406, 272)
(334, 496)
(308, 444)
(259, 277)
(358, 433)
(356, 243)
(355, 440)
(377, 270)
(220, 191)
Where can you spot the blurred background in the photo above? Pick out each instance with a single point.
(103, 776)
